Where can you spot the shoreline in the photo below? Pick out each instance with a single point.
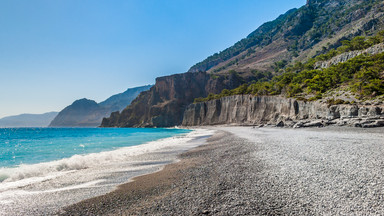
(244, 170)
(143, 187)
(140, 190)
(48, 194)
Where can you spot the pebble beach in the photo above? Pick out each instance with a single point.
(260, 171)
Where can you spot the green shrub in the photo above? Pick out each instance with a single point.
(362, 74)
(335, 101)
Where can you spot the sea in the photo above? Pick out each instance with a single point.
(45, 169)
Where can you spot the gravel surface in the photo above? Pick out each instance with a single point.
(246, 171)
(332, 171)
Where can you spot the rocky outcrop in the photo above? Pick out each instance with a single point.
(376, 49)
(164, 104)
(280, 111)
(88, 113)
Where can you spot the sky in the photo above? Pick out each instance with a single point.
(53, 52)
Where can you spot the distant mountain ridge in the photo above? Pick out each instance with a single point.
(119, 101)
(28, 120)
(88, 113)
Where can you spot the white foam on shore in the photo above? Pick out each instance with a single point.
(29, 174)
(11, 193)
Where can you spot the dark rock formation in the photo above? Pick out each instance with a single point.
(88, 113)
(28, 120)
(280, 111)
(164, 104)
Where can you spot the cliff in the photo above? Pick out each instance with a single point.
(164, 104)
(376, 49)
(296, 36)
(280, 111)
(88, 113)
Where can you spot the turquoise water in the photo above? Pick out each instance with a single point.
(45, 169)
(36, 145)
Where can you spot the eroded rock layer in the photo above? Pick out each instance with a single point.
(164, 104)
(280, 111)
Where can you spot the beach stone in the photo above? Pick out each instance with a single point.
(319, 123)
(378, 123)
(280, 124)
(268, 171)
(205, 212)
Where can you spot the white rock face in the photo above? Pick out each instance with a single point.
(274, 110)
(378, 48)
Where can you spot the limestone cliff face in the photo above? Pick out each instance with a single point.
(376, 49)
(164, 104)
(256, 110)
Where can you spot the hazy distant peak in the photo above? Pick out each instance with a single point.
(87, 113)
(28, 120)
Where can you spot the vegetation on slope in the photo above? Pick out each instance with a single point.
(362, 75)
(297, 30)
(261, 36)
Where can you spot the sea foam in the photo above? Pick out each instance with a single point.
(31, 173)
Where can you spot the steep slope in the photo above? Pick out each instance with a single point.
(88, 113)
(163, 105)
(347, 86)
(351, 74)
(119, 101)
(81, 113)
(298, 35)
(28, 120)
(281, 111)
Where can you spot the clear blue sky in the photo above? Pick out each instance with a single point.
(53, 52)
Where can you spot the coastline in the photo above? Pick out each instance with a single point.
(244, 170)
(140, 193)
(97, 174)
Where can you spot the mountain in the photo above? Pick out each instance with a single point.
(81, 113)
(298, 35)
(88, 113)
(289, 42)
(119, 101)
(163, 105)
(28, 120)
